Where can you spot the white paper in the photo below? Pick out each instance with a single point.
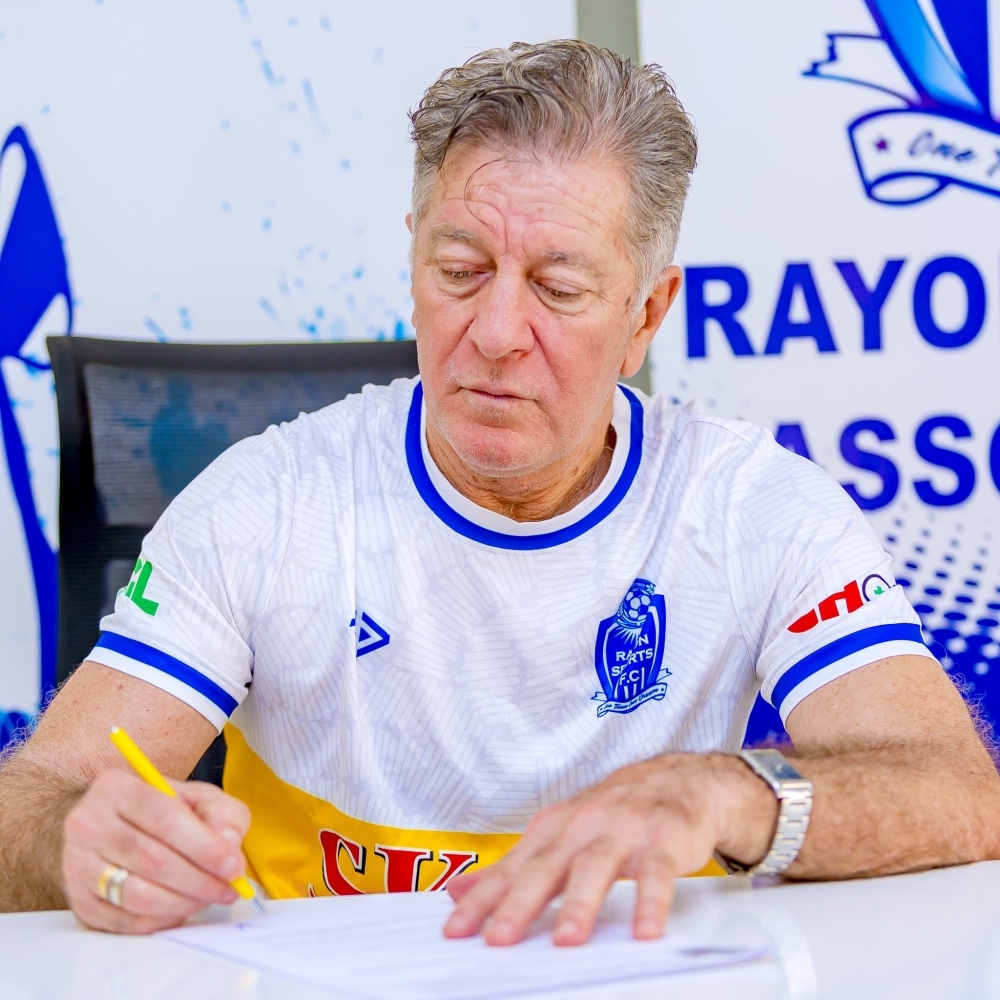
(390, 947)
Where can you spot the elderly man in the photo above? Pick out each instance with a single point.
(499, 629)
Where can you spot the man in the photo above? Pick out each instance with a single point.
(405, 603)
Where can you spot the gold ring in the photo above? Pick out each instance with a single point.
(109, 885)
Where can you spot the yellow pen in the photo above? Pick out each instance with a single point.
(146, 770)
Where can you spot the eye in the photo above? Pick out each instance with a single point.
(458, 275)
(559, 294)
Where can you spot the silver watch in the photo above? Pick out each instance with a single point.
(795, 798)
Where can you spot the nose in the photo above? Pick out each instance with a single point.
(501, 326)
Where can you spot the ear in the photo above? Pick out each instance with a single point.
(409, 221)
(650, 317)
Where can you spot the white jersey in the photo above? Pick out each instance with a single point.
(410, 677)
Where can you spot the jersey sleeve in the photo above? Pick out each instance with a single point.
(812, 585)
(186, 620)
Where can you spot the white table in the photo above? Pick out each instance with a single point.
(933, 934)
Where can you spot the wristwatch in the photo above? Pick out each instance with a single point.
(795, 798)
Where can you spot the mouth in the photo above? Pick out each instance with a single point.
(494, 396)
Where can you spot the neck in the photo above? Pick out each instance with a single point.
(534, 496)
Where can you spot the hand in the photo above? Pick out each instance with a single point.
(652, 821)
(180, 853)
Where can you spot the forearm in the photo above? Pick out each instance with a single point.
(896, 810)
(876, 812)
(33, 806)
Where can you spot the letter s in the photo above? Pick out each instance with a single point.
(872, 462)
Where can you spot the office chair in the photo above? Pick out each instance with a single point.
(138, 421)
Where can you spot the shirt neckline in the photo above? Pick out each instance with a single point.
(489, 528)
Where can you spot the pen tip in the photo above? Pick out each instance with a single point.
(259, 906)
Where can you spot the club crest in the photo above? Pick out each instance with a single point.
(629, 652)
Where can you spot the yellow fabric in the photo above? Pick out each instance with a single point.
(300, 845)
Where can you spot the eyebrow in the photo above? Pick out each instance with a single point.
(444, 232)
(441, 232)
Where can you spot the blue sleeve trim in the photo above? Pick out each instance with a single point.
(153, 657)
(497, 539)
(837, 650)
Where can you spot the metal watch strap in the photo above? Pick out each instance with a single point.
(795, 797)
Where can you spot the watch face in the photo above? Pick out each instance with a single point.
(774, 762)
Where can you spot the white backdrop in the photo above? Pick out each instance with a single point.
(785, 191)
(219, 170)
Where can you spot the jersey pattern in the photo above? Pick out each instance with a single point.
(408, 678)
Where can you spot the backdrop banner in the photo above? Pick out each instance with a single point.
(841, 272)
(203, 170)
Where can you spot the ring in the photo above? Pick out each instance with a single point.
(109, 885)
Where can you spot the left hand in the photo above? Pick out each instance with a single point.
(653, 821)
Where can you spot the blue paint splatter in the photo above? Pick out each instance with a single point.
(155, 329)
(226, 206)
(294, 147)
(265, 224)
(324, 23)
(345, 164)
(185, 318)
(244, 12)
(265, 65)
(310, 96)
(270, 310)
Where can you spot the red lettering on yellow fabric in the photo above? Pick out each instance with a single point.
(458, 862)
(402, 866)
(332, 842)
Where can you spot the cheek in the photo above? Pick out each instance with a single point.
(439, 321)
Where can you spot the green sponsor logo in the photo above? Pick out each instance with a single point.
(137, 587)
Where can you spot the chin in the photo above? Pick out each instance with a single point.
(495, 452)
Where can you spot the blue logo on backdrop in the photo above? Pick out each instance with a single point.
(943, 126)
(629, 652)
(32, 274)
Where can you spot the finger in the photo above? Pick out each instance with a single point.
(172, 821)
(152, 859)
(223, 813)
(102, 916)
(144, 898)
(461, 884)
(591, 874)
(477, 904)
(655, 896)
(532, 888)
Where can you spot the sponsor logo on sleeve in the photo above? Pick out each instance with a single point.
(137, 587)
(629, 652)
(844, 602)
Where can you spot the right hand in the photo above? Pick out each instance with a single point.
(180, 853)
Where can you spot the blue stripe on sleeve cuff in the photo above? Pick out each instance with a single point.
(170, 665)
(837, 650)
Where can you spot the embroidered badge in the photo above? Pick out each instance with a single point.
(629, 652)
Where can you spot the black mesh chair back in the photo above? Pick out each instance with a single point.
(138, 421)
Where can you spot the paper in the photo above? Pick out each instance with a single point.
(390, 947)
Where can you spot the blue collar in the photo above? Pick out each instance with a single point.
(498, 539)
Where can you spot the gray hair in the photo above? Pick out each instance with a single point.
(569, 99)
